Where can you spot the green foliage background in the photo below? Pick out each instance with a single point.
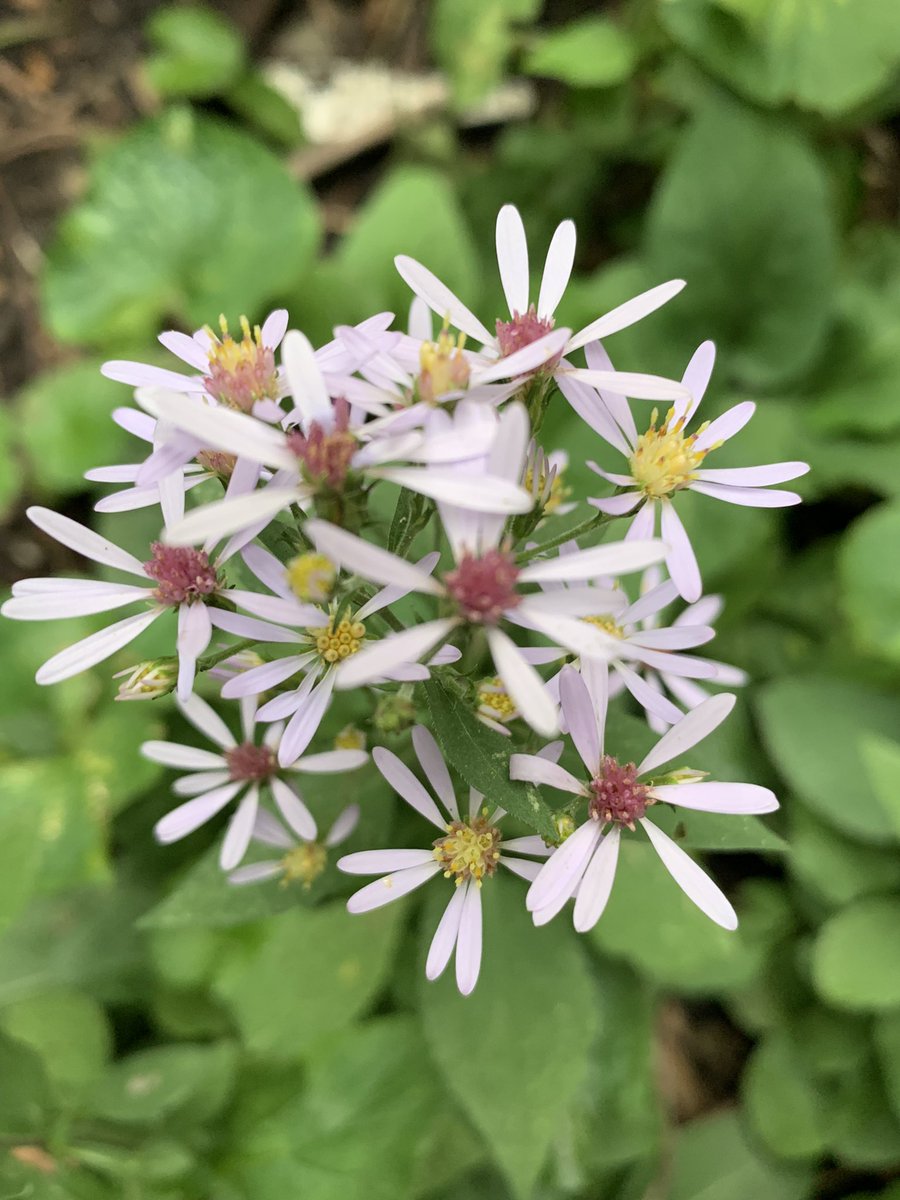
(162, 1036)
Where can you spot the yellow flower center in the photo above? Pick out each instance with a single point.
(240, 373)
(304, 864)
(443, 366)
(311, 576)
(337, 643)
(607, 624)
(664, 459)
(558, 490)
(470, 850)
(350, 738)
(494, 697)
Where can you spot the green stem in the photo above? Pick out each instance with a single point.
(211, 660)
(597, 521)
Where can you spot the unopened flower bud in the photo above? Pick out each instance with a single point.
(148, 680)
(565, 825)
(350, 738)
(394, 714)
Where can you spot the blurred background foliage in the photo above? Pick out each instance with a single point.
(163, 1037)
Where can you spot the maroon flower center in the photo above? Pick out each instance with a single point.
(522, 330)
(616, 794)
(249, 763)
(326, 455)
(484, 587)
(182, 574)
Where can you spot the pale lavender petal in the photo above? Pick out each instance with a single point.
(302, 727)
(726, 426)
(696, 377)
(370, 561)
(648, 697)
(194, 633)
(444, 941)
(376, 862)
(185, 348)
(557, 269)
(343, 826)
(435, 769)
(305, 380)
(652, 601)
(531, 844)
(391, 887)
(221, 428)
(261, 679)
(74, 601)
(388, 595)
(190, 816)
(331, 762)
(142, 375)
(203, 781)
(273, 328)
(595, 674)
(293, 809)
(468, 943)
(596, 883)
(523, 867)
(676, 637)
(222, 518)
(402, 780)
(628, 313)
(703, 612)
(174, 754)
(256, 872)
(531, 768)
(592, 410)
(84, 541)
(523, 684)
(286, 611)
(617, 404)
(268, 570)
(755, 476)
(749, 497)
(617, 558)
(512, 258)
(269, 830)
(616, 506)
(486, 494)
(440, 299)
(689, 666)
(738, 798)
(522, 362)
(691, 729)
(562, 871)
(630, 383)
(580, 718)
(692, 880)
(239, 831)
(137, 423)
(94, 649)
(377, 659)
(249, 627)
(641, 528)
(680, 560)
(208, 721)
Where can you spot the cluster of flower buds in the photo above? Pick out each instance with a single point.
(535, 620)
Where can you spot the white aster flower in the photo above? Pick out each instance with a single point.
(305, 857)
(666, 459)
(237, 773)
(173, 579)
(485, 587)
(528, 343)
(467, 852)
(324, 641)
(618, 798)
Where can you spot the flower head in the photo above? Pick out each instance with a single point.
(305, 855)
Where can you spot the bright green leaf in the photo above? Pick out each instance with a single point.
(198, 53)
(68, 1030)
(856, 956)
(832, 866)
(869, 565)
(782, 1100)
(714, 1160)
(590, 52)
(192, 1082)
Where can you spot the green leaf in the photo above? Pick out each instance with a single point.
(192, 1083)
(108, 758)
(353, 1133)
(651, 923)
(856, 956)
(862, 1130)
(230, 229)
(782, 1101)
(833, 867)
(263, 106)
(869, 564)
(820, 54)
(514, 1052)
(305, 975)
(886, 1032)
(66, 426)
(472, 39)
(25, 1098)
(68, 1030)
(590, 52)
(743, 214)
(482, 758)
(714, 1160)
(881, 757)
(830, 1043)
(198, 52)
(814, 727)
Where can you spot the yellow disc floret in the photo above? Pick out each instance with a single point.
(335, 643)
(304, 864)
(470, 850)
(350, 738)
(607, 624)
(558, 490)
(443, 366)
(240, 373)
(664, 460)
(311, 576)
(495, 700)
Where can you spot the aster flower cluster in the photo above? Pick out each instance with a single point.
(288, 583)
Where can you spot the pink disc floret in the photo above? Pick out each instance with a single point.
(326, 454)
(484, 587)
(617, 795)
(182, 575)
(521, 330)
(250, 763)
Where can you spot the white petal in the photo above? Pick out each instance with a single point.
(377, 659)
(562, 872)
(224, 517)
(530, 844)
(343, 826)
(391, 887)
(273, 328)
(294, 811)
(208, 721)
(256, 872)
(523, 684)
(692, 879)
(184, 347)
(617, 558)
(691, 729)
(194, 633)
(755, 476)
(74, 602)
(741, 798)
(534, 769)
(681, 560)
(367, 560)
(220, 428)
(676, 637)
(596, 883)
(595, 674)
(260, 679)
(285, 610)
(557, 269)
(405, 784)
(305, 379)
(486, 494)
(629, 383)
(649, 698)
(726, 426)
(696, 377)
(626, 314)
(432, 763)
(203, 781)
(304, 724)
(187, 817)
(191, 758)
(376, 862)
(512, 258)
(749, 497)
(591, 408)
(84, 541)
(330, 762)
(444, 941)
(580, 718)
(95, 648)
(440, 299)
(468, 943)
(522, 362)
(239, 831)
